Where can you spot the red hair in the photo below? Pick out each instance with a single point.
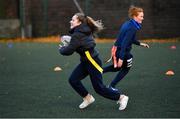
(133, 11)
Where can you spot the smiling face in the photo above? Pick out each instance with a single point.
(74, 22)
(139, 18)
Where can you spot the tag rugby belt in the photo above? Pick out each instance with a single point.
(94, 63)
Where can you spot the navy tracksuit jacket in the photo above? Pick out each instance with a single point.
(83, 43)
(126, 37)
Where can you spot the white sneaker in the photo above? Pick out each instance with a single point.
(123, 102)
(86, 102)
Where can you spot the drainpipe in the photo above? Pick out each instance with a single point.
(22, 17)
(45, 17)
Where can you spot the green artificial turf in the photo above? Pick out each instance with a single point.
(29, 86)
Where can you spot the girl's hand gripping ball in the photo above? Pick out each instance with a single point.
(65, 40)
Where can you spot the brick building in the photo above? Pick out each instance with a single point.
(51, 17)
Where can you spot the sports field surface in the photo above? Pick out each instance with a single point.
(29, 86)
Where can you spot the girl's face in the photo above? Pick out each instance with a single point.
(74, 22)
(139, 18)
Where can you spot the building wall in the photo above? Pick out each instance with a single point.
(8, 9)
(165, 18)
(9, 19)
(51, 17)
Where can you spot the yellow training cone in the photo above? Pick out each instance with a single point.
(57, 69)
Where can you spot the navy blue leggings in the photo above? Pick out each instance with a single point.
(84, 69)
(121, 74)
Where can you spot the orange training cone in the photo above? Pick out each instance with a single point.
(169, 73)
(173, 47)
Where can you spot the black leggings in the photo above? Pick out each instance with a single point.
(122, 71)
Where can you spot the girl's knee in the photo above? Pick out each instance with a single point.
(72, 81)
